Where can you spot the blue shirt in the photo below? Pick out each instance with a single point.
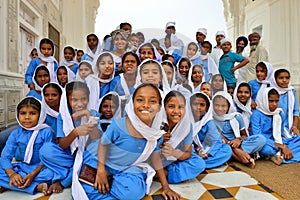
(226, 129)
(33, 93)
(226, 63)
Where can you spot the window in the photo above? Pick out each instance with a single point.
(54, 36)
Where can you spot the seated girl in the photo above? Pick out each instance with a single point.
(84, 70)
(64, 75)
(28, 174)
(231, 125)
(267, 121)
(41, 77)
(207, 139)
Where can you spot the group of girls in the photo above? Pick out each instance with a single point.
(146, 119)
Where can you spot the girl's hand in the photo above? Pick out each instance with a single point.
(27, 180)
(81, 113)
(169, 194)
(287, 153)
(16, 179)
(101, 182)
(201, 154)
(253, 104)
(85, 129)
(167, 150)
(167, 136)
(294, 130)
(31, 86)
(235, 143)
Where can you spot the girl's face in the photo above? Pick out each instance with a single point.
(106, 67)
(261, 73)
(78, 100)
(145, 53)
(217, 83)
(221, 106)
(120, 42)
(62, 76)
(68, 54)
(78, 56)
(92, 42)
(28, 116)
(52, 97)
(273, 102)
(205, 49)
(46, 50)
(134, 40)
(243, 94)
(108, 109)
(191, 51)
(206, 89)
(84, 71)
(34, 54)
(146, 104)
(169, 72)
(175, 110)
(150, 73)
(42, 78)
(199, 108)
(283, 79)
(197, 74)
(130, 65)
(184, 68)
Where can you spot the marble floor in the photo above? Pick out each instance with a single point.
(225, 182)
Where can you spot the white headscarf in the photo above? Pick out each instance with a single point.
(291, 99)
(93, 82)
(49, 110)
(90, 53)
(178, 73)
(36, 85)
(49, 60)
(268, 79)
(71, 75)
(151, 134)
(156, 54)
(263, 106)
(191, 83)
(173, 81)
(196, 55)
(78, 78)
(245, 108)
(63, 60)
(117, 114)
(164, 81)
(224, 84)
(211, 65)
(230, 114)
(40, 125)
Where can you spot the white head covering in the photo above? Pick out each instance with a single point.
(71, 75)
(224, 84)
(95, 55)
(270, 74)
(49, 110)
(78, 78)
(156, 53)
(117, 114)
(245, 108)
(230, 115)
(191, 83)
(151, 134)
(179, 76)
(225, 40)
(263, 106)
(49, 60)
(173, 81)
(63, 60)
(168, 24)
(196, 55)
(220, 33)
(93, 80)
(291, 99)
(202, 30)
(36, 85)
(40, 125)
(164, 81)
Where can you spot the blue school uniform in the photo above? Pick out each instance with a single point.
(255, 86)
(226, 63)
(74, 68)
(250, 144)
(262, 124)
(182, 170)
(86, 57)
(205, 69)
(34, 93)
(129, 182)
(119, 89)
(52, 123)
(16, 147)
(218, 153)
(31, 68)
(59, 160)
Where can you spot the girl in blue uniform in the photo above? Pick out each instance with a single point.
(207, 139)
(28, 174)
(68, 59)
(179, 160)
(267, 121)
(76, 126)
(41, 77)
(148, 51)
(217, 84)
(93, 48)
(120, 40)
(231, 125)
(196, 77)
(100, 83)
(84, 70)
(45, 57)
(51, 95)
(64, 75)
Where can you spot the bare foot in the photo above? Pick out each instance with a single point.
(276, 159)
(55, 188)
(251, 163)
(3, 189)
(42, 187)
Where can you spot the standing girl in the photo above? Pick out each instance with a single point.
(68, 59)
(24, 143)
(45, 57)
(207, 139)
(93, 49)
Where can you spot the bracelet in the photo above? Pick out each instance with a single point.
(13, 174)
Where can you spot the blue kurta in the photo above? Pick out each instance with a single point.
(255, 86)
(34, 93)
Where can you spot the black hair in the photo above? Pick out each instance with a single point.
(261, 64)
(244, 84)
(31, 52)
(150, 61)
(79, 51)
(29, 101)
(202, 96)
(221, 97)
(146, 85)
(105, 37)
(75, 85)
(125, 24)
(215, 76)
(173, 93)
(40, 68)
(279, 71)
(185, 59)
(166, 57)
(112, 97)
(71, 48)
(155, 41)
(86, 63)
(168, 64)
(47, 41)
(103, 55)
(134, 55)
(140, 34)
(273, 91)
(194, 43)
(53, 85)
(197, 65)
(92, 35)
(210, 45)
(148, 44)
